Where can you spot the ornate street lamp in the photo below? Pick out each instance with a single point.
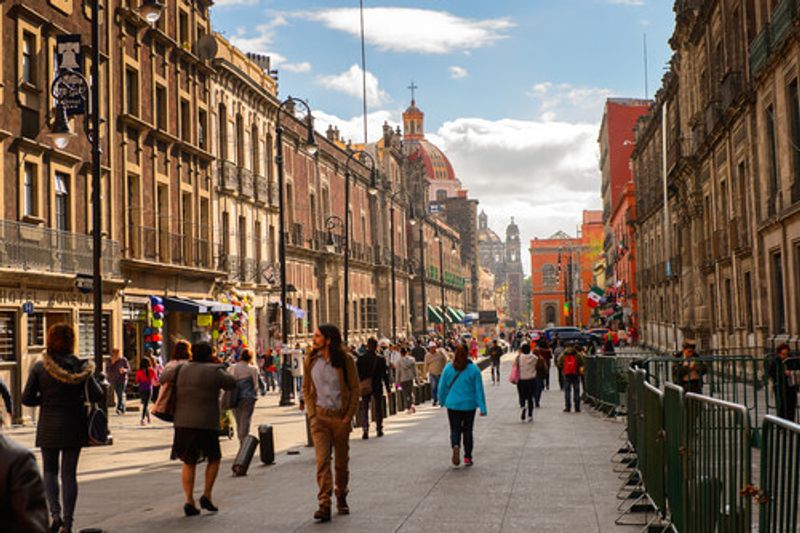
(311, 149)
(331, 223)
(373, 190)
(151, 10)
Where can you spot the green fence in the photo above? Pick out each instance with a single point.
(718, 466)
(652, 458)
(606, 379)
(675, 428)
(779, 496)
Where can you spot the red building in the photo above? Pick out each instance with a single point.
(562, 274)
(621, 261)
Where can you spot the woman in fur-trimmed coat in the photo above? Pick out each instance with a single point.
(58, 384)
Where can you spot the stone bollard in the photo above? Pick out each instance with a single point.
(392, 399)
(417, 395)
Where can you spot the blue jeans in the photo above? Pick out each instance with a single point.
(298, 380)
(572, 383)
(69, 481)
(538, 386)
(119, 390)
(434, 379)
(461, 424)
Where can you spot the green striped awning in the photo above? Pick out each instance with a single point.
(435, 314)
(453, 315)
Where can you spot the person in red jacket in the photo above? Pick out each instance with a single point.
(145, 378)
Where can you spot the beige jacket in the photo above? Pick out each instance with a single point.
(434, 363)
(348, 387)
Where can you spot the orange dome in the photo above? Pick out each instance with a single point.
(437, 166)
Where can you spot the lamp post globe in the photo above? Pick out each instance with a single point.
(151, 10)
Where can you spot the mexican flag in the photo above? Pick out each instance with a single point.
(594, 297)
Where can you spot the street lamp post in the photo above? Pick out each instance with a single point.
(392, 198)
(72, 84)
(438, 239)
(311, 148)
(372, 190)
(422, 218)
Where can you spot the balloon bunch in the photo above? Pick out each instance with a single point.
(231, 328)
(153, 337)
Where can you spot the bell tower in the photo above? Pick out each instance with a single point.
(413, 118)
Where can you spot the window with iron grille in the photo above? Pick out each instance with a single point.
(36, 329)
(8, 336)
(86, 334)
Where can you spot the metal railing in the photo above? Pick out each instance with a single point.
(779, 484)
(33, 247)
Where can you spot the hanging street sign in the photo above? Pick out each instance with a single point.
(70, 88)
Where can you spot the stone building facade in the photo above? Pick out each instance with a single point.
(719, 261)
(503, 259)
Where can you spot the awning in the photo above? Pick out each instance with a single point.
(435, 314)
(198, 307)
(455, 315)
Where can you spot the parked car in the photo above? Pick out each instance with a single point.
(570, 335)
(599, 335)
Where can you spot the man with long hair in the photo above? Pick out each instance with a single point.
(330, 397)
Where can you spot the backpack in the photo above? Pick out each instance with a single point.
(570, 365)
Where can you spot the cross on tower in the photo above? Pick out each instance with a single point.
(413, 88)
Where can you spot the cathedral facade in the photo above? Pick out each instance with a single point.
(502, 259)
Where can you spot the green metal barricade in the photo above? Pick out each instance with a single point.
(779, 496)
(652, 455)
(675, 428)
(634, 415)
(718, 466)
(735, 379)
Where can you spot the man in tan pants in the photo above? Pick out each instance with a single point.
(330, 397)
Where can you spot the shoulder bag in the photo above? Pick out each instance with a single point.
(97, 419)
(164, 406)
(365, 385)
(513, 376)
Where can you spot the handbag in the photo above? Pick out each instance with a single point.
(97, 427)
(513, 376)
(164, 406)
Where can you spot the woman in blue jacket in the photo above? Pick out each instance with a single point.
(461, 392)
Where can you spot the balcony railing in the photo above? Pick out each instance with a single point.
(229, 264)
(721, 245)
(759, 51)
(296, 234)
(227, 176)
(32, 247)
(247, 270)
(246, 183)
(781, 21)
(712, 116)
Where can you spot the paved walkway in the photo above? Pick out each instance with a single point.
(550, 476)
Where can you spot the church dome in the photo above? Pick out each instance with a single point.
(437, 166)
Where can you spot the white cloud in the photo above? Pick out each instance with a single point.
(350, 82)
(457, 72)
(563, 101)
(627, 2)
(543, 173)
(422, 31)
(353, 128)
(260, 41)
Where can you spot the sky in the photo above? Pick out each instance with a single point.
(512, 90)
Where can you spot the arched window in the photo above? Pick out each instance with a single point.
(548, 275)
(550, 314)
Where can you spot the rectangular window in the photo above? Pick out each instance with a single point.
(226, 234)
(712, 301)
(161, 107)
(36, 329)
(728, 303)
(29, 57)
(132, 92)
(202, 121)
(183, 29)
(30, 190)
(62, 201)
(86, 334)
(778, 311)
(186, 121)
(8, 336)
(794, 126)
(310, 314)
(748, 302)
(772, 160)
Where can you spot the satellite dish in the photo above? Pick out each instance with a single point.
(207, 47)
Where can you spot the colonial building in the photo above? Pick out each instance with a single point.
(562, 274)
(503, 259)
(716, 259)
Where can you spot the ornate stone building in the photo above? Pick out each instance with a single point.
(718, 260)
(503, 259)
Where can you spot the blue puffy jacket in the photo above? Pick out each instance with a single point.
(464, 393)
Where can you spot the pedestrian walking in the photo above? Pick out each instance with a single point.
(418, 351)
(58, 383)
(406, 376)
(570, 364)
(785, 375)
(373, 375)
(473, 349)
(543, 352)
(688, 373)
(528, 367)
(297, 357)
(461, 392)
(196, 437)
(558, 351)
(23, 504)
(117, 376)
(435, 360)
(144, 379)
(330, 398)
(158, 366)
(495, 353)
(246, 376)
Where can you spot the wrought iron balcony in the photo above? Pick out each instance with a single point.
(739, 234)
(227, 176)
(296, 235)
(36, 248)
(721, 244)
(759, 51)
(781, 21)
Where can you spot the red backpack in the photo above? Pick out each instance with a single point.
(570, 365)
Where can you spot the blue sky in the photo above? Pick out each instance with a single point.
(513, 90)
